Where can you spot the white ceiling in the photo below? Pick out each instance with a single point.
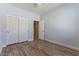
(39, 9)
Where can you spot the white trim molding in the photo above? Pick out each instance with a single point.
(0, 50)
(30, 40)
(65, 45)
(2, 47)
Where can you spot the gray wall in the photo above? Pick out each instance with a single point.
(6, 9)
(61, 25)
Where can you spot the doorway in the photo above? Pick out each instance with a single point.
(36, 30)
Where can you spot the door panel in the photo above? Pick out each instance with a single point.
(16, 29)
(12, 29)
(36, 30)
(23, 29)
(42, 29)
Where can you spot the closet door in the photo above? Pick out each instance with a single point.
(23, 29)
(42, 29)
(11, 29)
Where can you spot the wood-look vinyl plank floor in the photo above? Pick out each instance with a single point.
(37, 48)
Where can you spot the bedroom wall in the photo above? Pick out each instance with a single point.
(41, 27)
(6, 9)
(62, 25)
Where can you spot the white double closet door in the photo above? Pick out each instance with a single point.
(16, 29)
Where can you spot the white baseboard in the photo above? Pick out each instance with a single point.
(30, 40)
(2, 47)
(0, 50)
(6, 45)
(65, 45)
